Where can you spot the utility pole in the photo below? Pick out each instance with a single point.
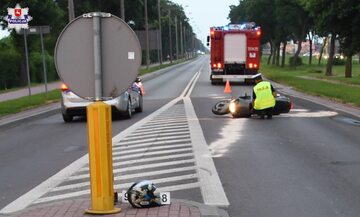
(181, 41)
(27, 62)
(43, 60)
(122, 9)
(176, 38)
(170, 38)
(184, 31)
(160, 38)
(71, 10)
(147, 36)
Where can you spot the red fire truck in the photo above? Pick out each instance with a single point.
(235, 52)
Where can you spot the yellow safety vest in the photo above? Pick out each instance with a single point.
(264, 97)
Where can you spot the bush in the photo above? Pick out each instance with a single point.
(9, 64)
(36, 67)
(295, 62)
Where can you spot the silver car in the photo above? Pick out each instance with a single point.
(128, 102)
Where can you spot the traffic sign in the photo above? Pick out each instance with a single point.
(97, 48)
(38, 30)
(35, 30)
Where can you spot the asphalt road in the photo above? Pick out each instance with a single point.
(305, 163)
(33, 151)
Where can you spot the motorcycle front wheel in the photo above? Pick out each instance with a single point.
(221, 107)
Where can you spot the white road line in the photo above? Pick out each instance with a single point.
(124, 186)
(150, 148)
(87, 183)
(182, 126)
(151, 173)
(174, 133)
(154, 173)
(155, 165)
(172, 129)
(144, 160)
(211, 187)
(145, 127)
(148, 166)
(167, 121)
(152, 153)
(162, 142)
(163, 164)
(191, 82)
(137, 141)
(169, 117)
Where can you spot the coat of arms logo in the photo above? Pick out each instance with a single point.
(18, 18)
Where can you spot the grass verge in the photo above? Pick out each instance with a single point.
(28, 102)
(311, 79)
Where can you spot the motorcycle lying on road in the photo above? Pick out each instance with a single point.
(242, 106)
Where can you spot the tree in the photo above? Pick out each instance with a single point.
(262, 12)
(295, 19)
(9, 57)
(325, 15)
(349, 36)
(44, 12)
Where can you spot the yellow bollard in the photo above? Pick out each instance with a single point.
(100, 159)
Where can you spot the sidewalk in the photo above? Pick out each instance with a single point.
(25, 91)
(77, 207)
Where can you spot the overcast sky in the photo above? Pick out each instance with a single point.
(3, 33)
(206, 13)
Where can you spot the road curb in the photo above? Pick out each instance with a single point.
(78, 206)
(205, 210)
(29, 115)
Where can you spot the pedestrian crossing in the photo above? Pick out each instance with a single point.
(160, 150)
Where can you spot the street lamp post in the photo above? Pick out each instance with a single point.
(122, 9)
(181, 41)
(170, 38)
(27, 62)
(160, 38)
(184, 32)
(176, 38)
(71, 10)
(147, 35)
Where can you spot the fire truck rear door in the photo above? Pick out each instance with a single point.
(235, 48)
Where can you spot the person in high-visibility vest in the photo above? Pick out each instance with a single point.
(263, 98)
